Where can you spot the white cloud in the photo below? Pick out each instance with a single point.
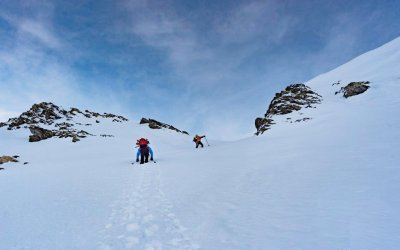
(39, 31)
(28, 73)
(38, 28)
(253, 19)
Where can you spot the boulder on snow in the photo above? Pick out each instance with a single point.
(354, 88)
(5, 159)
(39, 134)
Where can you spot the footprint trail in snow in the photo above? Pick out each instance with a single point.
(142, 218)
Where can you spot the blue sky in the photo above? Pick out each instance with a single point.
(204, 66)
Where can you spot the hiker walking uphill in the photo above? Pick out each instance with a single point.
(143, 151)
(197, 140)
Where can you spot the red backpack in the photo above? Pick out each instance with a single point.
(142, 142)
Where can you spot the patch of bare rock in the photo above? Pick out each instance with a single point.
(153, 124)
(293, 98)
(354, 88)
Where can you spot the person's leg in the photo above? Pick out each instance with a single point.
(142, 156)
(197, 144)
(146, 155)
(201, 144)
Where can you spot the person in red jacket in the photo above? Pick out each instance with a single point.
(197, 140)
(143, 151)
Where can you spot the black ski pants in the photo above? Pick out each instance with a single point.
(144, 154)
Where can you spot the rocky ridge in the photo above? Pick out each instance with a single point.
(46, 120)
(153, 124)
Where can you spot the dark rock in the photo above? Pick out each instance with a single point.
(354, 88)
(1, 168)
(39, 134)
(303, 119)
(143, 121)
(75, 139)
(259, 122)
(26, 163)
(293, 98)
(263, 124)
(154, 124)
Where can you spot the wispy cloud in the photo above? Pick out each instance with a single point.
(29, 72)
(36, 26)
(40, 32)
(252, 20)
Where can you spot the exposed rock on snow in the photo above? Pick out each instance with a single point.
(264, 123)
(46, 120)
(39, 134)
(354, 88)
(47, 113)
(293, 98)
(5, 159)
(153, 124)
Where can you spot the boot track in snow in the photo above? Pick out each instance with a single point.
(142, 218)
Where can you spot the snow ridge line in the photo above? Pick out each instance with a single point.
(142, 218)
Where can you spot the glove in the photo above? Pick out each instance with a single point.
(137, 160)
(151, 159)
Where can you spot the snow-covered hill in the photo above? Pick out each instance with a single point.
(331, 182)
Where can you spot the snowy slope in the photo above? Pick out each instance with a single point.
(329, 183)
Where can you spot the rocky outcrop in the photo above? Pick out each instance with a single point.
(354, 88)
(39, 134)
(46, 113)
(263, 124)
(5, 159)
(46, 120)
(292, 98)
(153, 124)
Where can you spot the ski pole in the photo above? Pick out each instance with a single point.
(206, 141)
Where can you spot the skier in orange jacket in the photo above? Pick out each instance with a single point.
(197, 140)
